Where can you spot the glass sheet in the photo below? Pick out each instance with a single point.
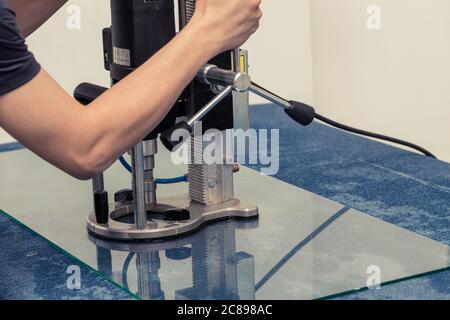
(302, 247)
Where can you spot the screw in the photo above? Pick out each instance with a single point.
(212, 183)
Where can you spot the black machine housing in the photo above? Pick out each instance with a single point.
(140, 28)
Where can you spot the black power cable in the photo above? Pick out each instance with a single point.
(358, 131)
(374, 135)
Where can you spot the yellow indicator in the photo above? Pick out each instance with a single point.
(243, 64)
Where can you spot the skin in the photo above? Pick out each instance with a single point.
(85, 141)
(30, 15)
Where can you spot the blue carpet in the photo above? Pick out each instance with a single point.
(32, 268)
(404, 188)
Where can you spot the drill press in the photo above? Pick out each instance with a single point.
(218, 97)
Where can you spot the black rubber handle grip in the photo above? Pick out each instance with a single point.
(176, 135)
(301, 113)
(85, 93)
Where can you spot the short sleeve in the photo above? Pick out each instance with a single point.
(17, 65)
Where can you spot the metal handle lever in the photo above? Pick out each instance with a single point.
(226, 81)
(263, 93)
(210, 105)
(183, 130)
(298, 111)
(216, 77)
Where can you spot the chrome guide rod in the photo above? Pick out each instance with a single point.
(150, 150)
(143, 274)
(98, 183)
(140, 212)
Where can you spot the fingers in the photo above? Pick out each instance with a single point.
(229, 22)
(258, 17)
(255, 3)
(260, 14)
(255, 28)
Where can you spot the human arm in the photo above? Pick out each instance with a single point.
(84, 141)
(30, 15)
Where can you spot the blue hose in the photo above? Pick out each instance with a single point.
(172, 180)
(125, 164)
(127, 167)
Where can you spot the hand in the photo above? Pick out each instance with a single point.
(226, 24)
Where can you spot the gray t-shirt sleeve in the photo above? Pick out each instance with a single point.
(17, 65)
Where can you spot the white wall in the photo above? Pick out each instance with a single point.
(72, 56)
(281, 49)
(395, 80)
(280, 52)
(4, 137)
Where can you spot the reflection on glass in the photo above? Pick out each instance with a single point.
(218, 271)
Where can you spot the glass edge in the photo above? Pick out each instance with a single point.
(58, 248)
(384, 284)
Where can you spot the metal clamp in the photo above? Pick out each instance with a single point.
(215, 76)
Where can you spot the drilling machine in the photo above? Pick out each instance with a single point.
(218, 97)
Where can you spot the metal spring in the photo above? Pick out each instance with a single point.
(197, 171)
(190, 9)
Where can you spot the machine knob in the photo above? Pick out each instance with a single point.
(177, 215)
(101, 207)
(301, 113)
(123, 196)
(179, 254)
(176, 135)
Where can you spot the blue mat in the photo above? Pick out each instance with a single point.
(32, 268)
(404, 188)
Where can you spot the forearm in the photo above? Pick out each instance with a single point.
(85, 140)
(31, 14)
(136, 105)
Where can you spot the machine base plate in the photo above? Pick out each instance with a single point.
(159, 229)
